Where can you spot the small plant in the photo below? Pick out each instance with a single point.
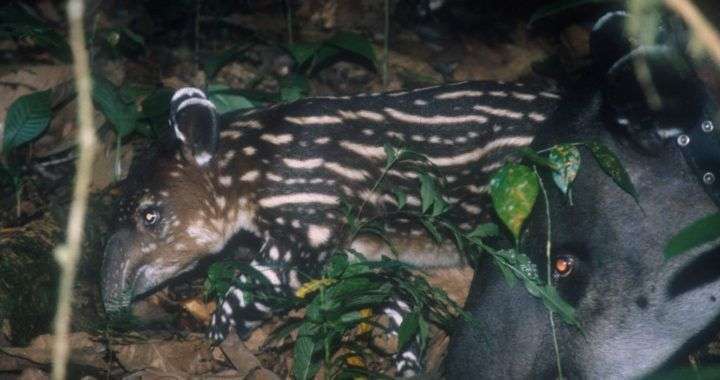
(337, 303)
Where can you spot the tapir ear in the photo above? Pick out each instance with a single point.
(194, 122)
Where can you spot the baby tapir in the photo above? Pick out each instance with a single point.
(276, 176)
(638, 312)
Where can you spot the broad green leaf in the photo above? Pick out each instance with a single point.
(302, 52)
(484, 230)
(42, 37)
(26, 119)
(514, 189)
(121, 114)
(698, 233)
(216, 61)
(427, 191)
(612, 166)
(293, 88)
(226, 99)
(408, 329)
(355, 44)
(303, 366)
(157, 104)
(566, 159)
(401, 198)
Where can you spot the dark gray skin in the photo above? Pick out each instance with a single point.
(638, 311)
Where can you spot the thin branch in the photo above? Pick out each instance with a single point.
(68, 254)
(702, 29)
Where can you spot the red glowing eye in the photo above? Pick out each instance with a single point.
(564, 265)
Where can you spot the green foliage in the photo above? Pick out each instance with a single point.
(514, 189)
(119, 110)
(612, 166)
(700, 232)
(313, 55)
(566, 159)
(26, 119)
(20, 21)
(216, 61)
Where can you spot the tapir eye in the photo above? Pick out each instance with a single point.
(150, 217)
(563, 265)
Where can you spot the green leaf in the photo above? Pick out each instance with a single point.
(121, 114)
(552, 300)
(408, 329)
(226, 99)
(484, 230)
(401, 198)
(293, 88)
(698, 233)
(302, 52)
(26, 119)
(354, 43)
(336, 265)
(612, 166)
(303, 366)
(216, 61)
(427, 191)
(566, 159)
(514, 189)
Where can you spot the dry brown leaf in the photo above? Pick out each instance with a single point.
(84, 350)
(191, 357)
(240, 357)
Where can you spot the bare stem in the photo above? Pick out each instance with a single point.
(548, 257)
(68, 254)
(386, 43)
(701, 28)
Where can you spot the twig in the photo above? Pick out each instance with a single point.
(702, 29)
(68, 254)
(386, 43)
(548, 257)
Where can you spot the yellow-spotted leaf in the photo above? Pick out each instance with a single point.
(513, 190)
(566, 159)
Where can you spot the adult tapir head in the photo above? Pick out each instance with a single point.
(638, 311)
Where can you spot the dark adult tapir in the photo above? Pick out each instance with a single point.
(638, 311)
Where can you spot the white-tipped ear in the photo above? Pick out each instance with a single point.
(194, 122)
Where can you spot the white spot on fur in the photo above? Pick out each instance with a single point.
(277, 139)
(250, 176)
(476, 154)
(305, 120)
(437, 119)
(367, 151)
(498, 111)
(459, 94)
(303, 164)
(352, 174)
(318, 235)
(225, 180)
(280, 200)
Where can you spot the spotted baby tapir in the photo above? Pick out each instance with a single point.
(270, 182)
